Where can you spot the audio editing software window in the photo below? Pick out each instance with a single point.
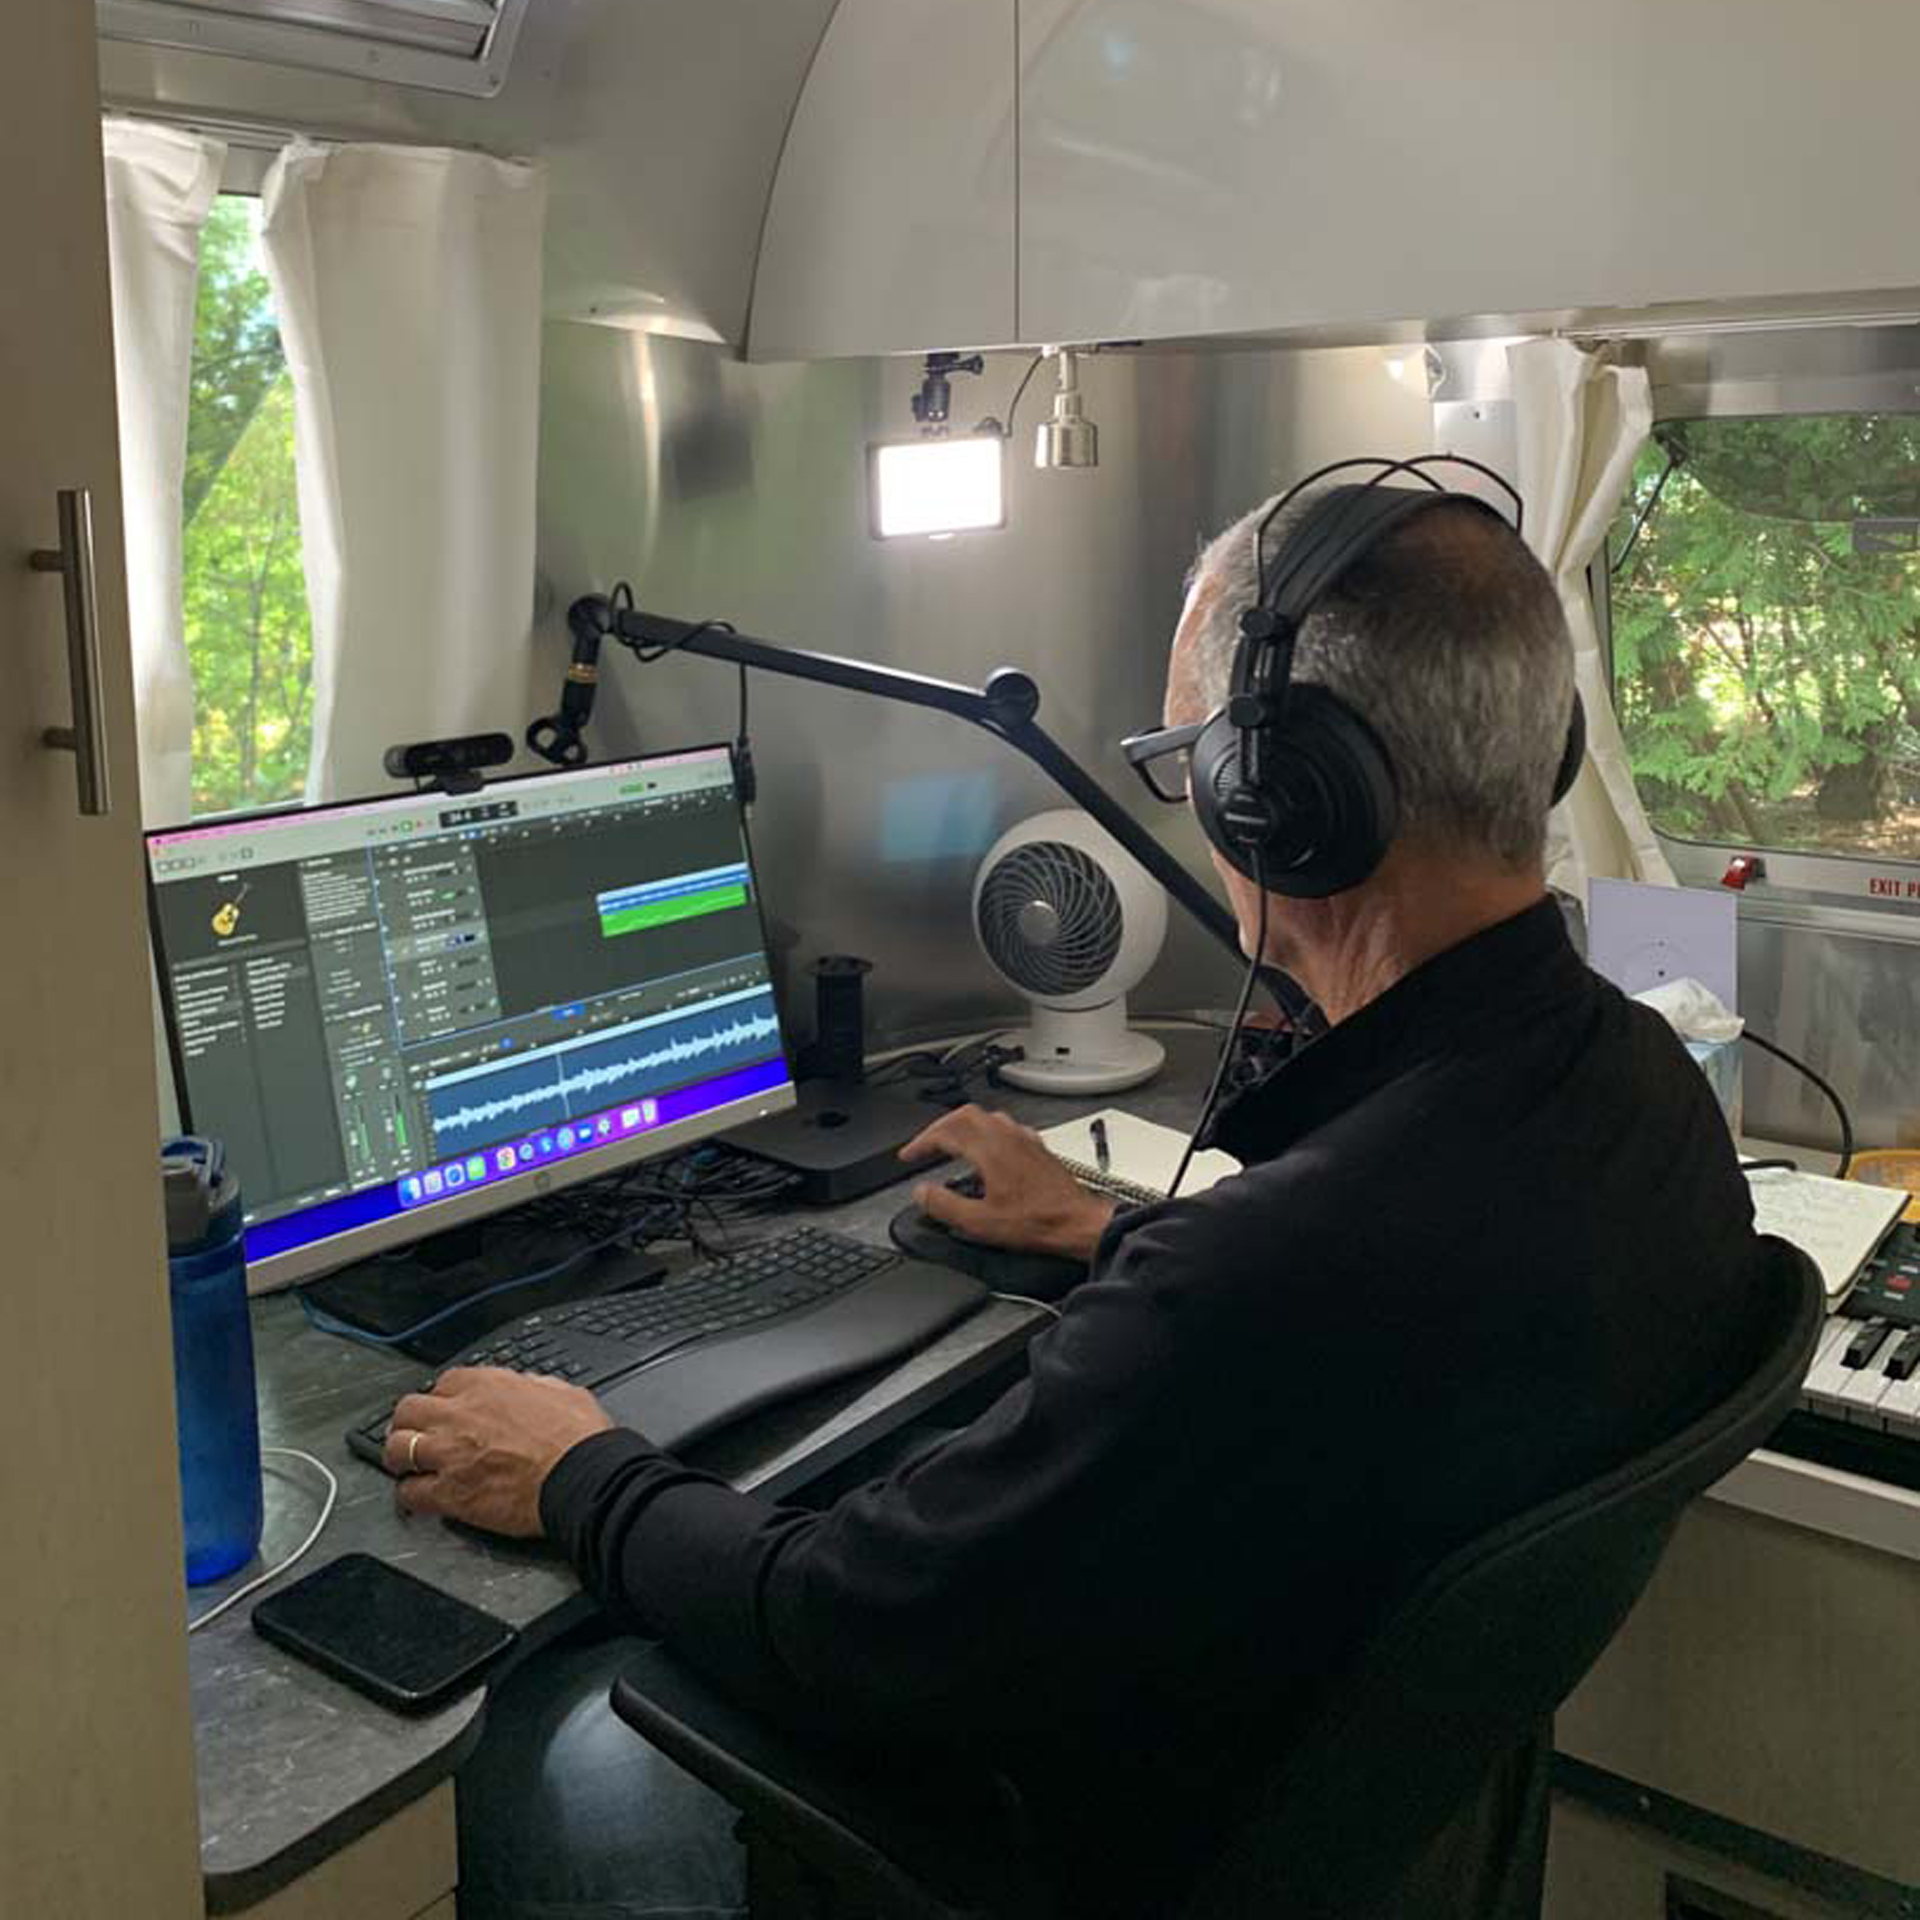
(429, 994)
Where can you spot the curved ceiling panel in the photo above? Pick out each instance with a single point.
(892, 224)
(662, 124)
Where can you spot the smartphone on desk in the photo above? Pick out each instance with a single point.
(384, 1632)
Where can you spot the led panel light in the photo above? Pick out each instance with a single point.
(936, 486)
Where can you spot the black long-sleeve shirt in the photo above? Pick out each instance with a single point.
(1491, 1239)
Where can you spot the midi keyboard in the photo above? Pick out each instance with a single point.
(1860, 1408)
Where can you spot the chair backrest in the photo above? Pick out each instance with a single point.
(1475, 1661)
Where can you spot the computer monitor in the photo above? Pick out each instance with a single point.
(402, 1014)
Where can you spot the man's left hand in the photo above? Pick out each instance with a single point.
(479, 1447)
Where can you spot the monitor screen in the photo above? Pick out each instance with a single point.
(404, 1012)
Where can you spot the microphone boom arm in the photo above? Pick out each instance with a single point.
(1005, 707)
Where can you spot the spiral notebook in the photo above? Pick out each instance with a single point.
(1840, 1223)
(1142, 1157)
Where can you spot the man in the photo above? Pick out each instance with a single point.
(1491, 1239)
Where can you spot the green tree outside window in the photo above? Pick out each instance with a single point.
(1766, 644)
(249, 638)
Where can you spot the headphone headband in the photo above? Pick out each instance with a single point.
(1340, 528)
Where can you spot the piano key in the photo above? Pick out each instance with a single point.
(1826, 1376)
(1859, 1399)
(1865, 1345)
(1898, 1409)
(1904, 1358)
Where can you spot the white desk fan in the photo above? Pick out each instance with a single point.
(1071, 920)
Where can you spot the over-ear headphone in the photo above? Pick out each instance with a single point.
(1292, 785)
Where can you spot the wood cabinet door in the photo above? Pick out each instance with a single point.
(97, 1813)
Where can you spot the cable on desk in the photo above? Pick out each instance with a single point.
(326, 1323)
(947, 1071)
(635, 1206)
(1201, 1019)
(1025, 1300)
(274, 1572)
(717, 1183)
(1839, 1106)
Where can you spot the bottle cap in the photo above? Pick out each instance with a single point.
(198, 1189)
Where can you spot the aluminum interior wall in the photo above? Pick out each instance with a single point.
(734, 491)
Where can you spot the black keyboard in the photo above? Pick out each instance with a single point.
(719, 1340)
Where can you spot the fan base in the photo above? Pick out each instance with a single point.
(1108, 1061)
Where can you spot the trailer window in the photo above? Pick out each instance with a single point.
(1766, 632)
(245, 595)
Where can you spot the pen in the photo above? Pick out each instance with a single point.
(1101, 1157)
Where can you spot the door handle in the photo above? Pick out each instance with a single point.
(86, 739)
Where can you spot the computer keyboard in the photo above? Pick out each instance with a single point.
(716, 1341)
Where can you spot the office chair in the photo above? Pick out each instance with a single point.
(1420, 1787)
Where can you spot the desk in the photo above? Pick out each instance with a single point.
(315, 1802)
(300, 1776)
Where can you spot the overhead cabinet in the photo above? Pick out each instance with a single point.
(1073, 170)
(891, 223)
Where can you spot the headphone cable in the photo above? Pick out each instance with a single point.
(1230, 1045)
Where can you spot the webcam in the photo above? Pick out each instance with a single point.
(457, 766)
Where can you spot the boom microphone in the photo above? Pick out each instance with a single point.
(558, 737)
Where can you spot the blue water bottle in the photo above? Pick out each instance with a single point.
(212, 1360)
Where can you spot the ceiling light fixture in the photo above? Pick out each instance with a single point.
(1069, 439)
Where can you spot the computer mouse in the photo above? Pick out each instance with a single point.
(1043, 1276)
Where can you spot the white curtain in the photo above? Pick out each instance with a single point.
(408, 286)
(1581, 422)
(161, 182)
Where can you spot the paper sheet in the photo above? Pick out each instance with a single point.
(1141, 1152)
(1838, 1222)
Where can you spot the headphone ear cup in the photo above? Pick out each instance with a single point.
(1338, 800)
(1327, 812)
(1573, 757)
(1222, 802)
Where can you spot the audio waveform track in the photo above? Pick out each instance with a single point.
(548, 1090)
(683, 896)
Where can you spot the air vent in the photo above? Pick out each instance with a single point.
(449, 46)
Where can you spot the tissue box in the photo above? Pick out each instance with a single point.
(1720, 1062)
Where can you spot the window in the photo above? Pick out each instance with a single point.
(1766, 632)
(248, 635)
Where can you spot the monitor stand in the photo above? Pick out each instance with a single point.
(450, 1274)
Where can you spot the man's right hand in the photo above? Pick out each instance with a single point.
(1028, 1200)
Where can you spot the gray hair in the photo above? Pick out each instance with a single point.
(1448, 639)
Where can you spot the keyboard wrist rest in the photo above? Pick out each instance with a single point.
(683, 1395)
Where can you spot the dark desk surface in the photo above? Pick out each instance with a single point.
(293, 1765)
